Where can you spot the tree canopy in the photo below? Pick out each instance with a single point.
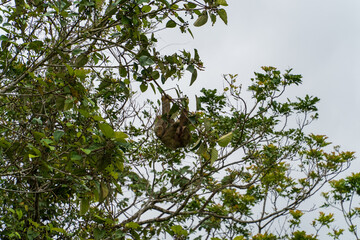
(79, 156)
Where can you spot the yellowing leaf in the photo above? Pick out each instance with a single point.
(224, 140)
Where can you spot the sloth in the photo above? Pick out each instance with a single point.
(173, 134)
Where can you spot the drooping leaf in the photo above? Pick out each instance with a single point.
(193, 77)
(84, 205)
(202, 19)
(223, 15)
(225, 140)
(104, 191)
(213, 18)
(107, 130)
(213, 155)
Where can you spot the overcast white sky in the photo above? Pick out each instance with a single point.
(319, 39)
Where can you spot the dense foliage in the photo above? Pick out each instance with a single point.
(78, 155)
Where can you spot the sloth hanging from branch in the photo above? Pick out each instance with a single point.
(173, 134)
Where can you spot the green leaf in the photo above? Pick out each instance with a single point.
(153, 87)
(198, 103)
(191, 5)
(4, 38)
(196, 55)
(31, 235)
(213, 18)
(70, 69)
(225, 140)
(132, 225)
(60, 230)
(239, 238)
(207, 124)
(99, 233)
(155, 75)
(35, 45)
(213, 155)
(104, 191)
(178, 230)
(47, 141)
(202, 149)
(60, 103)
(107, 130)
(193, 77)
(146, 8)
(120, 136)
(191, 68)
(86, 151)
(223, 15)
(123, 72)
(81, 73)
(81, 60)
(145, 61)
(202, 19)
(171, 24)
(196, 145)
(75, 157)
(77, 51)
(84, 205)
(68, 104)
(221, 2)
(143, 87)
(19, 213)
(58, 134)
(119, 164)
(98, 118)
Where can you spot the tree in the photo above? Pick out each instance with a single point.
(79, 156)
